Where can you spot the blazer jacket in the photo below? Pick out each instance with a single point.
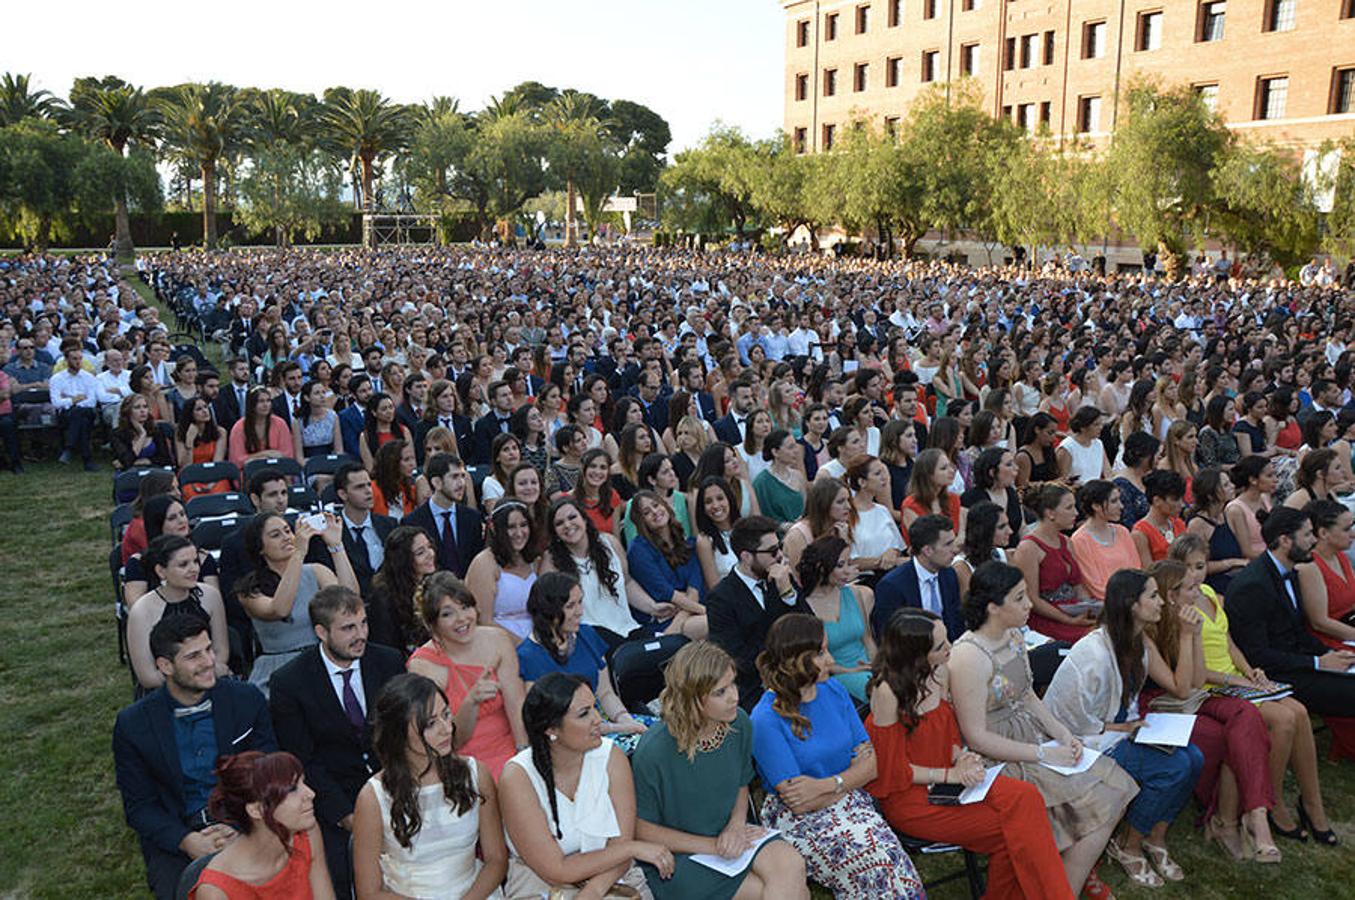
(899, 588)
(739, 624)
(1266, 627)
(470, 535)
(382, 525)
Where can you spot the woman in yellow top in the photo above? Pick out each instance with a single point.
(1291, 731)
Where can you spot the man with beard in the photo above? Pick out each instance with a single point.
(321, 703)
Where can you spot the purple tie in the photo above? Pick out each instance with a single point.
(350, 704)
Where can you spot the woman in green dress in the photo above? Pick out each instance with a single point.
(780, 488)
(706, 740)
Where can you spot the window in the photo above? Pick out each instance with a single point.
(1048, 55)
(862, 19)
(1271, 97)
(929, 9)
(895, 13)
(1009, 55)
(1007, 112)
(930, 59)
(1280, 15)
(893, 71)
(1211, 21)
(967, 5)
(1088, 115)
(1027, 50)
(1209, 96)
(1025, 116)
(800, 137)
(1093, 40)
(802, 87)
(1348, 9)
(830, 27)
(1149, 34)
(892, 126)
(860, 76)
(829, 132)
(969, 59)
(829, 82)
(1343, 91)
(1046, 110)
(802, 33)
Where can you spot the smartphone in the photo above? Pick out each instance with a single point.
(316, 521)
(944, 794)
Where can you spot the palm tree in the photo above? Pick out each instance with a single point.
(119, 115)
(572, 115)
(204, 124)
(18, 102)
(368, 126)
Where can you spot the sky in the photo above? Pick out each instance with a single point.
(691, 61)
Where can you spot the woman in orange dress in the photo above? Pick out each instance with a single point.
(476, 666)
(917, 744)
(197, 439)
(594, 492)
(393, 490)
(929, 492)
(1328, 582)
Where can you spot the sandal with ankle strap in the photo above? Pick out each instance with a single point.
(1136, 867)
(1264, 854)
(1327, 838)
(1165, 865)
(1228, 837)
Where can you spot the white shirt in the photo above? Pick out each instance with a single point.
(336, 679)
(754, 586)
(114, 388)
(376, 551)
(64, 386)
(929, 588)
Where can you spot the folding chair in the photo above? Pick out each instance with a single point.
(327, 464)
(478, 474)
(210, 473)
(189, 879)
(209, 534)
(218, 506)
(40, 430)
(119, 604)
(284, 465)
(127, 484)
(972, 870)
(301, 498)
(118, 521)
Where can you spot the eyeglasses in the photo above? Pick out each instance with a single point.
(774, 551)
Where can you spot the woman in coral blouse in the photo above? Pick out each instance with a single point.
(259, 434)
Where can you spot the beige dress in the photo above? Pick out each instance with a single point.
(1078, 804)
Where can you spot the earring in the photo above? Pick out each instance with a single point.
(551, 736)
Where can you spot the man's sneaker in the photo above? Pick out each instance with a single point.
(64, 458)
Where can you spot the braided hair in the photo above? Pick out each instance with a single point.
(545, 707)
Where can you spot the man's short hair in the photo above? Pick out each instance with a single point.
(261, 480)
(343, 473)
(927, 530)
(172, 632)
(564, 436)
(1283, 521)
(439, 464)
(494, 386)
(70, 344)
(329, 601)
(748, 531)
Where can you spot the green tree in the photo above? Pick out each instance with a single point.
(1265, 205)
(873, 183)
(713, 182)
(643, 136)
(1041, 196)
(204, 124)
(368, 126)
(18, 101)
(576, 150)
(289, 189)
(505, 165)
(785, 186)
(1340, 231)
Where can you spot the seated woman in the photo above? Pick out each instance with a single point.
(594, 492)
(828, 510)
(720, 460)
(381, 427)
(279, 852)
(502, 574)
(877, 544)
(163, 514)
(1002, 718)
(929, 491)
(751, 451)
(657, 474)
(1095, 693)
(475, 667)
(664, 563)
(1062, 605)
(394, 493)
(529, 427)
(1213, 493)
(505, 452)
(393, 604)
(1291, 728)
(636, 442)
(1154, 533)
(1254, 481)
(690, 440)
(1327, 584)
(174, 560)
(1101, 545)
(560, 642)
(1137, 454)
(1081, 455)
(826, 574)
(814, 444)
(198, 439)
(846, 446)
(1037, 460)
(153, 484)
(1320, 474)
(277, 593)
(780, 487)
(814, 758)
(258, 434)
(985, 538)
(1217, 442)
(715, 514)
(427, 824)
(706, 739)
(568, 800)
(524, 485)
(138, 440)
(913, 725)
(1235, 781)
(316, 431)
(1178, 455)
(994, 481)
(898, 449)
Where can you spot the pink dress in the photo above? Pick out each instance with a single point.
(1098, 562)
(492, 740)
(279, 438)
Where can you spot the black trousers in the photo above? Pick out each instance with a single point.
(77, 424)
(1324, 693)
(9, 433)
(338, 857)
(163, 871)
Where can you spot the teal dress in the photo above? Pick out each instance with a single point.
(777, 500)
(664, 795)
(847, 645)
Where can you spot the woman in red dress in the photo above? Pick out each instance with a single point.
(1059, 599)
(1328, 583)
(917, 744)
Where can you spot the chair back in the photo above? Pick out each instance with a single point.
(210, 473)
(209, 534)
(327, 464)
(302, 498)
(213, 506)
(127, 484)
(284, 465)
(189, 879)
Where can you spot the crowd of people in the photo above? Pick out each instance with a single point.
(831, 540)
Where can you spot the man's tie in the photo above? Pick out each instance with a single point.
(933, 597)
(770, 594)
(351, 709)
(240, 395)
(504, 423)
(446, 423)
(740, 422)
(453, 555)
(360, 553)
(296, 408)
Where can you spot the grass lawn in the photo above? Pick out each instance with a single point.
(61, 686)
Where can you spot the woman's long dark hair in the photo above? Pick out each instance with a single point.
(818, 561)
(496, 536)
(598, 556)
(408, 697)
(1123, 591)
(369, 427)
(208, 432)
(991, 582)
(262, 580)
(711, 464)
(787, 665)
(703, 521)
(396, 576)
(902, 662)
(607, 497)
(672, 541)
(546, 605)
(544, 707)
(980, 532)
(253, 444)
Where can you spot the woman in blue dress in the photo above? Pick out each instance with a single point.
(826, 575)
(663, 561)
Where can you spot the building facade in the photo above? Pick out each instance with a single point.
(1281, 70)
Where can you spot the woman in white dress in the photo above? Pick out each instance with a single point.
(714, 512)
(1081, 455)
(417, 825)
(877, 543)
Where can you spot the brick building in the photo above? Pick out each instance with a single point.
(1281, 70)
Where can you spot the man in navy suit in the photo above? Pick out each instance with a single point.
(495, 423)
(230, 399)
(353, 417)
(731, 429)
(287, 405)
(364, 532)
(655, 407)
(165, 748)
(322, 703)
(926, 581)
(692, 375)
(446, 509)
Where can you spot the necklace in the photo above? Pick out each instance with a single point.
(716, 738)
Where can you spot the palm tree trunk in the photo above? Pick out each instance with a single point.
(209, 204)
(367, 178)
(569, 213)
(123, 229)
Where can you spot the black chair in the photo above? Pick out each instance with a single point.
(972, 870)
(330, 494)
(215, 506)
(119, 604)
(118, 521)
(478, 474)
(283, 465)
(127, 484)
(327, 464)
(189, 879)
(210, 473)
(40, 430)
(302, 498)
(209, 534)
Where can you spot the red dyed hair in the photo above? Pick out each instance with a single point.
(254, 777)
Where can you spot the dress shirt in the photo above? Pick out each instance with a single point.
(754, 585)
(929, 588)
(64, 386)
(376, 551)
(336, 678)
(114, 388)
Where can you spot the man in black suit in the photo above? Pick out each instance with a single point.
(322, 703)
(905, 404)
(731, 429)
(522, 361)
(165, 748)
(457, 531)
(924, 582)
(287, 405)
(364, 533)
(755, 593)
(654, 406)
(692, 375)
(1266, 621)
(231, 399)
(494, 424)
(244, 332)
(410, 411)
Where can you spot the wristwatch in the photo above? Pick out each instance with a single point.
(841, 785)
(1039, 752)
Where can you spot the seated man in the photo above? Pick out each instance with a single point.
(926, 581)
(364, 532)
(322, 703)
(457, 531)
(75, 396)
(165, 748)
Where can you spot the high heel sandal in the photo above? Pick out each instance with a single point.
(1268, 855)
(1290, 834)
(1219, 832)
(1136, 867)
(1327, 837)
(1165, 865)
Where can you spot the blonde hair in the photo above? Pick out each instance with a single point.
(690, 675)
(692, 422)
(1166, 631)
